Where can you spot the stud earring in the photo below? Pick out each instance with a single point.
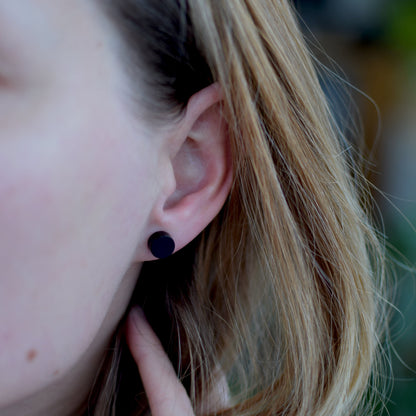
(161, 244)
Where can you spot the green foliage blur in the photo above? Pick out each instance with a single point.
(401, 25)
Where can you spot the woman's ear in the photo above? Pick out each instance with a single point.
(201, 166)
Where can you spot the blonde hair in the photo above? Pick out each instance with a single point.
(282, 291)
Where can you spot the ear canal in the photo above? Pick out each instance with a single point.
(161, 244)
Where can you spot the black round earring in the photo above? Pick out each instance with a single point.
(161, 244)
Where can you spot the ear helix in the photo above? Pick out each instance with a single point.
(161, 244)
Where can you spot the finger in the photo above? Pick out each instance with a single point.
(165, 392)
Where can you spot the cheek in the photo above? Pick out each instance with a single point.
(71, 216)
(72, 201)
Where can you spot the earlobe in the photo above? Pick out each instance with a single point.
(202, 169)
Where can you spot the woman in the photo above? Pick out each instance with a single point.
(133, 126)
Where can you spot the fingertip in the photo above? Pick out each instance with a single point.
(137, 317)
(134, 325)
(140, 335)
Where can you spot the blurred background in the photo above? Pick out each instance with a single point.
(374, 42)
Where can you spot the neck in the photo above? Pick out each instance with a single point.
(69, 395)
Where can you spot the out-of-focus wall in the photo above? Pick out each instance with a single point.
(374, 42)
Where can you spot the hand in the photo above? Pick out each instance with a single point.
(165, 392)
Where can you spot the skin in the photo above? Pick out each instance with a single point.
(78, 204)
(165, 393)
